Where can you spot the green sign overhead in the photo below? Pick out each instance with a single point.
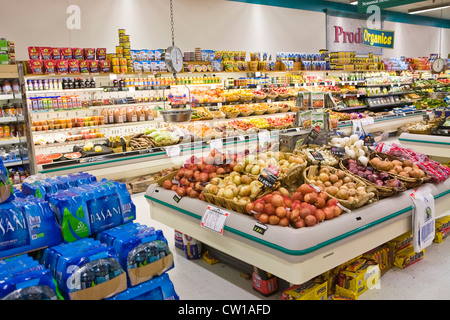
(364, 4)
(378, 38)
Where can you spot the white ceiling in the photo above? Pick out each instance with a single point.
(443, 13)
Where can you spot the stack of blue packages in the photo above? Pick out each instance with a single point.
(159, 288)
(27, 224)
(6, 186)
(85, 264)
(22, 278)
(108, 204)
(40, 185)
(82, 205)
(143, 252)
(71, 213)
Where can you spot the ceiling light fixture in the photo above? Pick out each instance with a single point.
(429, 8)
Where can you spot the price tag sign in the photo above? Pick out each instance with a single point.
(173, 151)
(260, 228)
(216, 144)
(268, 177)
(312, 136)
(317, 155)
(214, 219)
(369, 141)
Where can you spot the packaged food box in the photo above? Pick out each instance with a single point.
(359, 276)
(381, 256)
(407, 256)
(442, 228)
(315, 289)
(399, 243)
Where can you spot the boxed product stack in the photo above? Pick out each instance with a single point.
(357, 277)
(82, 205)
(442, 228)
(7, 52)
(402, 251)
(23, 278)
(85, 269)
(314, 289)
(143, 253)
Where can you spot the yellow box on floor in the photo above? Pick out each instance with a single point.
(311, 290)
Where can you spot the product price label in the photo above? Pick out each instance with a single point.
(268, 177)
(260, 228)
(312, 136)
(338, 151)
(214, 219)
(173, 151)
(317, 155)
(264, 138)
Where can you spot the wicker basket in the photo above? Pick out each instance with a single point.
(259, 112)
(246, 114)
(293, 176)
(408, 182)
(285, 108)
(272, 96)
(383, 191)
(260, 97)
(231, 115)
(371, 196)
(246, 98)
(272, 109)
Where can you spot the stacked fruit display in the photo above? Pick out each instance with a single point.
(255, 164)
(304, 208)
(196, 173)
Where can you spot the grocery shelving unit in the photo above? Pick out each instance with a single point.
(21, 158)
(127, 163)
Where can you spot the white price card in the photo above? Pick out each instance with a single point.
(112, 76)
(173, 151)
(216, 144)
(214, 219)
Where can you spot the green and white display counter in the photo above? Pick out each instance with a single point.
(436, 147)
(295, 255)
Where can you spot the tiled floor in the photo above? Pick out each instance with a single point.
(197, 280)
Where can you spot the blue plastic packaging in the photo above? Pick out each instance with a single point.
(77, 266)
(13, 229)
(138, 248)
(6, 186)
(159, 288)
(25, 279)
(71, 214)
(27, 224)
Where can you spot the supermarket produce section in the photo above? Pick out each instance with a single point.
(294, 166)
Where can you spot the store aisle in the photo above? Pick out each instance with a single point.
(197, 280)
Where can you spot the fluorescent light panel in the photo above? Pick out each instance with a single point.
(429, 8)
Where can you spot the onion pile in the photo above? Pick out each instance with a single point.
(339, 185)
(235, 187)
(405, 168)
(381, 179)
(304, 208)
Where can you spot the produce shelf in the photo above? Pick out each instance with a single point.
(295, 255)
